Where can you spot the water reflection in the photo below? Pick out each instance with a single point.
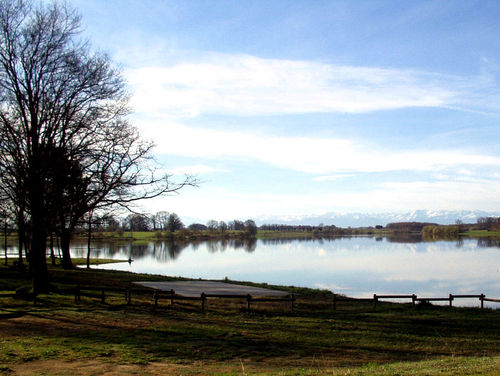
(488, 243)
(161, 251)
(405, 238)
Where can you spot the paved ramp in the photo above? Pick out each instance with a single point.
(195, 288)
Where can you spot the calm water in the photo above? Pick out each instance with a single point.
(356, 266)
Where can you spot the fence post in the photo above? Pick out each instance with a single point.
(172, 293)
(203, 298)
(77, 294)
(375, 299)
(451, 299)
(413, 299)
(334, 302)
(481, 298)
(249, 299)
(155, 296)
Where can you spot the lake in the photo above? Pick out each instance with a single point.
(354, 266)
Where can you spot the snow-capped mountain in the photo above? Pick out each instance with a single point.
(372, 219)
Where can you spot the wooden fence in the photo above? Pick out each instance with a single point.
(414, 299)
(157, 295)
(97, 292)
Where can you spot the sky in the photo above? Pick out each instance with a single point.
(289, 108)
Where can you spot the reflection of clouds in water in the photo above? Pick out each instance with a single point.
(331, 287)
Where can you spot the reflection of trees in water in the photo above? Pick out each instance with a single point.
(404, 237)
(98, 249)
(319, 240)
(214, 246)
(488, 243)
(160, 250)
(249, 245)
(168, 250)
(140, 250)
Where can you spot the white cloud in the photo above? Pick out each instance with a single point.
(305, 154)
(248, 85)
(196, 170)
(332, 177)
(467, 195)
(212, 202)
(241, 85)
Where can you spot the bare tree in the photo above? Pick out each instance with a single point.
(5, 215)
(138, 222)
(251, 227)
(174, 223)
(162, 218)
(63, 129)
(212, 225)
(222, 227)
(237, 225)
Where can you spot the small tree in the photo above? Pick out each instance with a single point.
(237, 225)
(197, 227)
(174, 223)
(250, 227)
(222, 227)
(138, 222)
(212, 225)
(162, 219)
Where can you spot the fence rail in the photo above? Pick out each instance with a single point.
(414, 298)
(172, 296)
(101, 293)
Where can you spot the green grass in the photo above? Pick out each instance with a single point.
(356, 339)
(94, 261)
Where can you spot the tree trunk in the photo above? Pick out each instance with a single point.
(66, 256)
(21, 238)
(38, 245)
(52, 254)
(38, 260)
(89, 239)
(5, 238)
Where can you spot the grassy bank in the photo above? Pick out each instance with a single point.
(57, 336)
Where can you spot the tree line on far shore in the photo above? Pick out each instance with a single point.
(164, 221)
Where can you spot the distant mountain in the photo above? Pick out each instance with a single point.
(444, 217)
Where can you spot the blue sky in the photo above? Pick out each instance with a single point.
(303, 107)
